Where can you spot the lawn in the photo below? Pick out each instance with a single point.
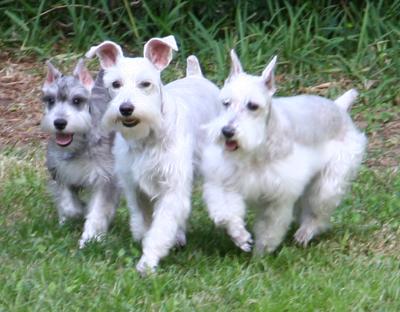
(323, 49)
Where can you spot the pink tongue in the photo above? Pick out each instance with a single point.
(63, 139)
(231, 145)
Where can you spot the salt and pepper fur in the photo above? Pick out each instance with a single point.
(157, 146)
(87, 162)
(295, 158)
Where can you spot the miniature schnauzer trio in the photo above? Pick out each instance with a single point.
(289, 157)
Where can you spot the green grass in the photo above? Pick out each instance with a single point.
(355, 266)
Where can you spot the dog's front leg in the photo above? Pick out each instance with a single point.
(227, 209)
(140, 209)
(101, 210)
(272, 224)
(68, 204)
(170, 214)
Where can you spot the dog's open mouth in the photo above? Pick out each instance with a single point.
(130, 122)
(231, 145)
(64, 139)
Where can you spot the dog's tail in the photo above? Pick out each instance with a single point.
(193, 67)
(347, 99)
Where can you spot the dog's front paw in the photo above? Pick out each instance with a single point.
(180, 239)
(146, 267)
(62, 220)
(242, 239)
(247, 246)
(89, 237)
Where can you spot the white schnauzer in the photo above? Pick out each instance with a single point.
(79, 153)
(158, 140)
(288, 156)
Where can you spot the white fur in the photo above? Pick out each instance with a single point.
(156, 158)
(295, 157)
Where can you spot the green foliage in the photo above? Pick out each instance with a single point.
(356, 40)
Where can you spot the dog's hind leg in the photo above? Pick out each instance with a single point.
(101, 211)
(272, 224)
(227, 209)
(327, 189)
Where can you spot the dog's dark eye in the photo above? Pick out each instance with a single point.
(144, 84)
(252, 106)
(116, 84)
(226, 103)
(49, 101)
(77, 101)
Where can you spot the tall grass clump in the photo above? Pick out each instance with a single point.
(357, 39)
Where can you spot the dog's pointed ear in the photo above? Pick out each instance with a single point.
(236, 67)
(52, 73)
(268, 75)
(159, 51)
(108, 52)
(83, 74)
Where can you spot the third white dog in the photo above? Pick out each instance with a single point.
(289, 156)
(158, 140)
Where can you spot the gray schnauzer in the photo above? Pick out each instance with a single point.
(79, 151)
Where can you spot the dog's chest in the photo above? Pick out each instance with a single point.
(81, 171)
(280, 178)
(260, 183)
(142, 169)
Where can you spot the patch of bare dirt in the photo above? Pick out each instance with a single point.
(20, 105)
(384, 241)
(384, 146)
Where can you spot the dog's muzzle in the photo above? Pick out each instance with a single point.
(126, 109)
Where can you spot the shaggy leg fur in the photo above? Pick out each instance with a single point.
(271, 225)
(231, 218)
(325, 192)
(168, 218)
(68, 204)
(101, 210)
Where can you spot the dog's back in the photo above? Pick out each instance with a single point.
(199, 95)
(311, 119)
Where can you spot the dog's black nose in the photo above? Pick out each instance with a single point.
(126, 109)
(228, 131)
(60, 123)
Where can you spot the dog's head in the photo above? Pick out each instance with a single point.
(66, 104)
(134, 85)
(247, 101)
